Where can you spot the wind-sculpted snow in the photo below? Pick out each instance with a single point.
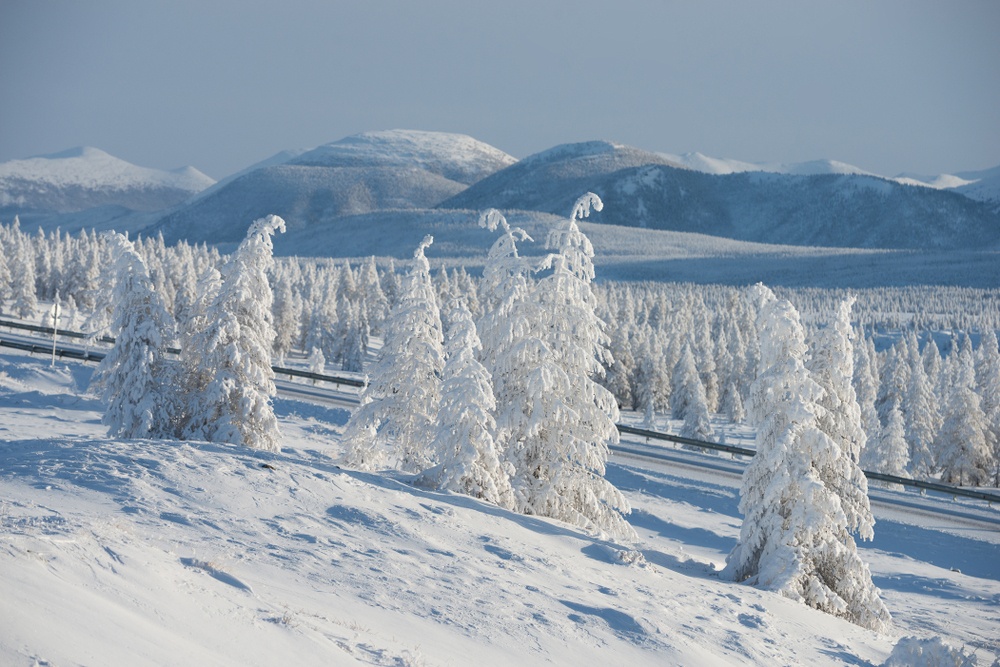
(164, 552)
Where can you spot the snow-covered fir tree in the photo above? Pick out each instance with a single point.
(963, 454)
(468, 459)
(559, 467)
(888, 453)
(233, 351)
(921, 415)
(989, 388)
(24, 301)
(137, 383)
(795, 537)
(832, 367)
(507, 330)
(688, 401)
(395, 423)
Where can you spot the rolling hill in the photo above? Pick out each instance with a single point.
(834, 210)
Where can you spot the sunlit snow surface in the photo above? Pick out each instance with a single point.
(169, 553)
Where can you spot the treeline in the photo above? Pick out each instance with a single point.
(927, 368)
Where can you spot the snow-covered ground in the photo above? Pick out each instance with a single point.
(169, 553)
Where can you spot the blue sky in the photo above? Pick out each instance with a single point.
(886, 85)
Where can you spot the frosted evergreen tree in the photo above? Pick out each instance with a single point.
(732, 404)
(5, 278)
(795, 537)
(376, 303)
(24, 301)
(287, 313)
(395, 422)
(687, 400)
(963, 454)
(895, 377)
(468, 459)
(137, 383)
(866, 390)
(353, 332)
(921, 415)
(651, 380)
(560, 466)
(317, 362)
(888, 453)
(622, 368)
(989, 389)
(507, 331)
(233, 352)
(832, 368)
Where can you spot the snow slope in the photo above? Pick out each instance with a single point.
(168, 553)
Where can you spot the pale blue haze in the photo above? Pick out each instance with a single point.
(889, 86)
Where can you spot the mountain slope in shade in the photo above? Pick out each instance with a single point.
(375, 171)
(83, 178)
(983, 185)
(646, 190)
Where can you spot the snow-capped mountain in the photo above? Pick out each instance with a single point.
(830, 208)
(982, 185)
(374, 171)
(725, 166)
(83, 178)
(456, 157)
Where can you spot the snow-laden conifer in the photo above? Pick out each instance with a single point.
(560, 465)
(394, 424)
(795, 538)
(137, 383)
(508, 330)
(989, 389)
(832, 367)
(468, 459)
(5, 282)
(888, 452)
(24, 301)
(688, 401)
(921, 414)
(232, 353)
(962, 450)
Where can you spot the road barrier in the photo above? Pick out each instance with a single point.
(86, 355)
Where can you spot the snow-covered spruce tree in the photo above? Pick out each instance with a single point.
(137, 383)
(963, 454)
(395, 423)
(832, 367)
(922, 416)
(866, 393)
(687, 400)
(507, 330)
(5, 282)
(22, 274)
(559, 469)
(233, 351)
(287, 314)
(795, 538)
(468, 459)
(888, 452)
(988, 377)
